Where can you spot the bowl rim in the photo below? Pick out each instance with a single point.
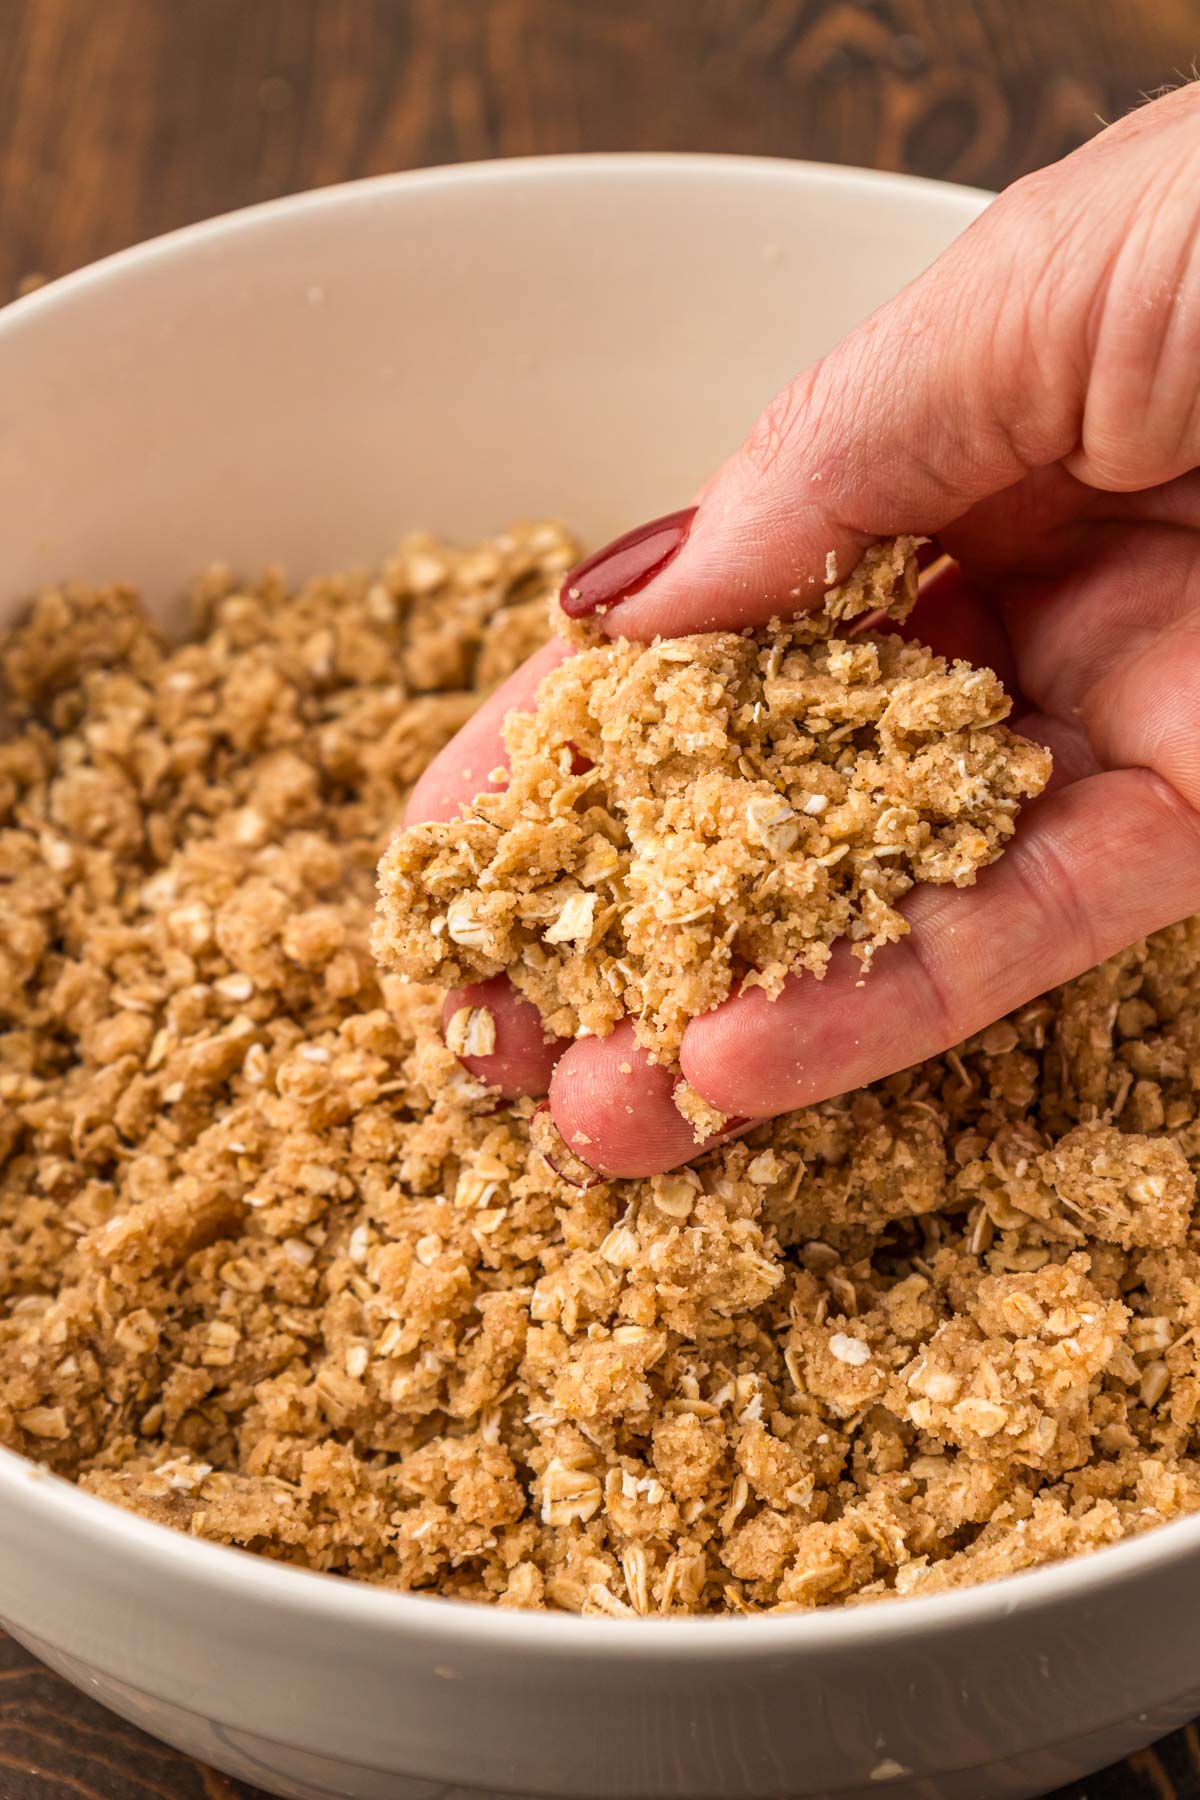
(500, 171)
(239, 1577)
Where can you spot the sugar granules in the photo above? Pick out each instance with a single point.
(696, 816)
(277, 1272)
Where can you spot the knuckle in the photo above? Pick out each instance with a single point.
(937, 1007)
(1052, 887)
(1035, 198)
(778, 433)
(1177, 803)
(1110, 462)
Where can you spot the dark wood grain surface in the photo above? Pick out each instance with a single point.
(123, 118)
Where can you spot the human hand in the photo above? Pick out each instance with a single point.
(1033, 401)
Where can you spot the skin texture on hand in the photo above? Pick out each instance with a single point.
(1032, 400)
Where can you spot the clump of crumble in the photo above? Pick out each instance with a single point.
(714, 812)
(275, 1271)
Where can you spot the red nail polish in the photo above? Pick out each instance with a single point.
(728, 1129)
(625, 566)
(553, 1147)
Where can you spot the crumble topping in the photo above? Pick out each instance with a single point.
(701, 815)
(275, 1271)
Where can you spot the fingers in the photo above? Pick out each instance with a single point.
(1113, 643)
(1095, 866)
(522, 1057)
(1143, 710)
(615, 1108)
(1141, 421)
(464, 767)
(1037, 337)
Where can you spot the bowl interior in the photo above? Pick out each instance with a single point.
(302, 382)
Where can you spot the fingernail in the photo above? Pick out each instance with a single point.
(728, 1129)
(736, 1123)
(625, 566)
(554, 1149)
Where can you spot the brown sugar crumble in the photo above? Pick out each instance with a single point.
(699, 815)
(276, 1271)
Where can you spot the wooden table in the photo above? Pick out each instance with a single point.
(122, 118)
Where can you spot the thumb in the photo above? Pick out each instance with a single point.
(1035, 328)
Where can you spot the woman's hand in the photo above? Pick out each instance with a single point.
(1033, 400)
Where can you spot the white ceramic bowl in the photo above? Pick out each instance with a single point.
(304, 381)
